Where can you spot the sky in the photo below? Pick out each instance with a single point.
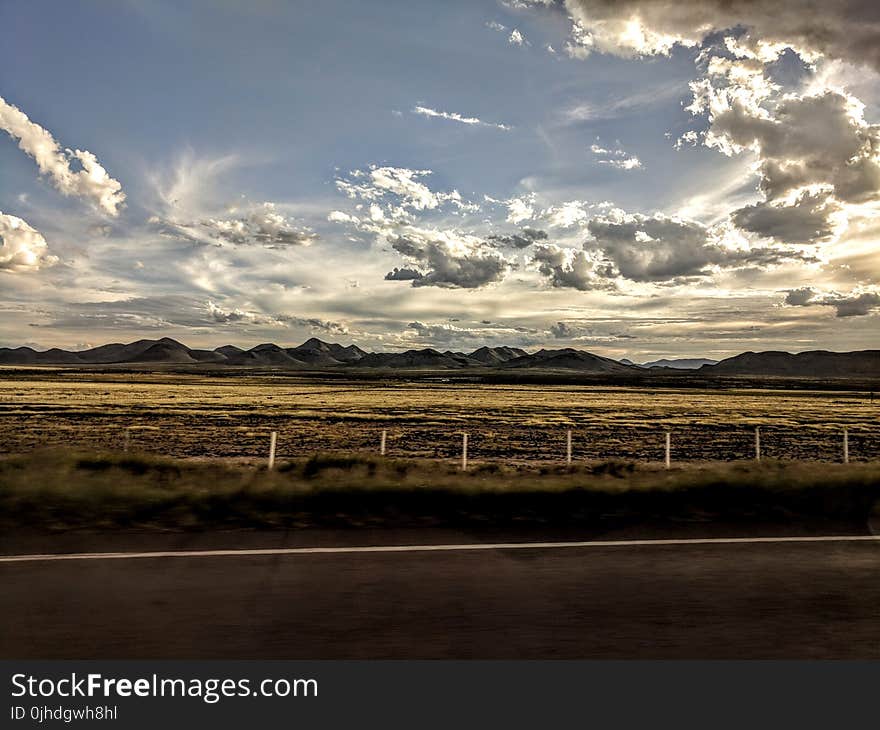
(637, 178)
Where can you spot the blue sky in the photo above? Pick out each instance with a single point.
(263, 169)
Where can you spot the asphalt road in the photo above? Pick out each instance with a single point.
(717, 600)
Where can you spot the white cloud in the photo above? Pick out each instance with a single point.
(615, 157)
(567, 215)
(520, 209)
(22, 248)
(516, 38)
(338, 216)
(818, 159)
(456, 117)
(399, 182)
(90, 182)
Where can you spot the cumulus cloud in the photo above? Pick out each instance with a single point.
(402, 185)
(817, 156)
(813, 140)
(662, 248)
(395, 200)
(567, 215)
(814, 152)
(845, 29)
(22, 248)
(523, 239)
(808, 219)
(520, 209)
(75, 173)
(451, 259)
(570, 268)
(652, 248)
(261, 224)
(338, 216)
(456, 117)
(856, 303)
(517, 39)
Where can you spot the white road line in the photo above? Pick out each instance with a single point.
(431, 548)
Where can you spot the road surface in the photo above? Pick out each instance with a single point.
(673, 599)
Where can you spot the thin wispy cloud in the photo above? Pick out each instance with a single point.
(616, 107)
(460, 118)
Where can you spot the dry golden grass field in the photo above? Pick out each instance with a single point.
(232, 415)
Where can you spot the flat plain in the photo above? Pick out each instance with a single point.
(231, 416)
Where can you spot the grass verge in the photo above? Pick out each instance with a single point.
(63, 489)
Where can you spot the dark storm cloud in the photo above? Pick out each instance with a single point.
(523, 239)
(465, 263)
(403, 274)
(799, 297)
(659, 248)
(854, 304)
(567, 268)
(807, 220)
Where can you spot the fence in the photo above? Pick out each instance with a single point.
(476, 442)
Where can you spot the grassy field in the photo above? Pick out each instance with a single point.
(63, 489)
(231, 416)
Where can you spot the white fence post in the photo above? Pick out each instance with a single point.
(568, 447)
(273, 440)
(757, 443)
(668, 449)
(464, 454)
(382, 442)
(845, 445)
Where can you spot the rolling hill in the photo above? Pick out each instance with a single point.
(812, 364)
(315, 354)
(569, 359)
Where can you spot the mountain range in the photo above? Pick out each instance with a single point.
(314, 354)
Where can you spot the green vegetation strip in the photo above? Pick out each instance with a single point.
(63, 489)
